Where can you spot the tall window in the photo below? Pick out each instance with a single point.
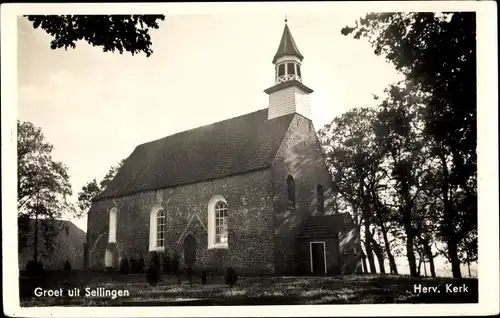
(220, 222)
(291, 192)
(281, 69)
(161, 225)
(291, 68)
(298, 71)
(321, 198)
(112, 225)
(217, 222)
(157, 228)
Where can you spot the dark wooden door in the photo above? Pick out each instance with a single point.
(318, 258)
(190, 250)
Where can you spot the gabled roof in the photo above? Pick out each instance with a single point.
(323, 226)
(287, 46)
(233, 146)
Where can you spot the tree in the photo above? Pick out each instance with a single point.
(85, 196)
(42, 184)
(356, 167)
(437, 52)
(382, 164)
(468, 250)
(93, 188)
(400, 136)
(122, 33)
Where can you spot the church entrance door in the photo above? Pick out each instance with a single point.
(108, 258)
(318, 258)
(189, 250)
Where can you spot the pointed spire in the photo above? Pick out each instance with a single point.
(287, 45)
(287, 74)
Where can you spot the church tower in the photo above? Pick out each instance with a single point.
(288, 95)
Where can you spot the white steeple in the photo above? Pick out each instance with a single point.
(288, 95)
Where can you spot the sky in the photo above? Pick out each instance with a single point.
(96, 107)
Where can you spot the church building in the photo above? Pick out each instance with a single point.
(250, 192)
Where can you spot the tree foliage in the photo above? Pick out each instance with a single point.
(121, 33)
(42, 185)
(94, 188)
(356, 165)
(425, 137)
(438, 53)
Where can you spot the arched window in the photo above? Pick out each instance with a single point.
(217, 222)
(291, 192)
(321, 198)
(221, 222)
(157, 228)
(112, 225)
(161, 225)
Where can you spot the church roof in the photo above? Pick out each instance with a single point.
(236, 145)
(322, 226)
(287, 46)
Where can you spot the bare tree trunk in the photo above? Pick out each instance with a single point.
(363, 260)
(419, 266)
(454, 260)
(425, 269)
(35, 250)
(369, 252)
(392, 261)
(468, 262)
(368, 235)
(410, 254)
(448, 222)
(410, 239)
(432, 267)
(379, 253)
(430, 256)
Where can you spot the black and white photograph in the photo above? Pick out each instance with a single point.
(250, 159)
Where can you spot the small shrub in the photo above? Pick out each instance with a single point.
(153, 272)
(153, 275)
(189, 274)
(67, 266)
(136, 265)
(204, 277)
(174, 267)
(132, 265)
(178, 275)
(167, 264)
(124, 266)
(140, 265)
(34, 268)
(230, 276)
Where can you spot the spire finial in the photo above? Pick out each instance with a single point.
(286, 20)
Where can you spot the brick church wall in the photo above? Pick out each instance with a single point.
(300, 156)
(250, 223)
(350, 251)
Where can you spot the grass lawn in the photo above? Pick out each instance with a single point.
(354, 289)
